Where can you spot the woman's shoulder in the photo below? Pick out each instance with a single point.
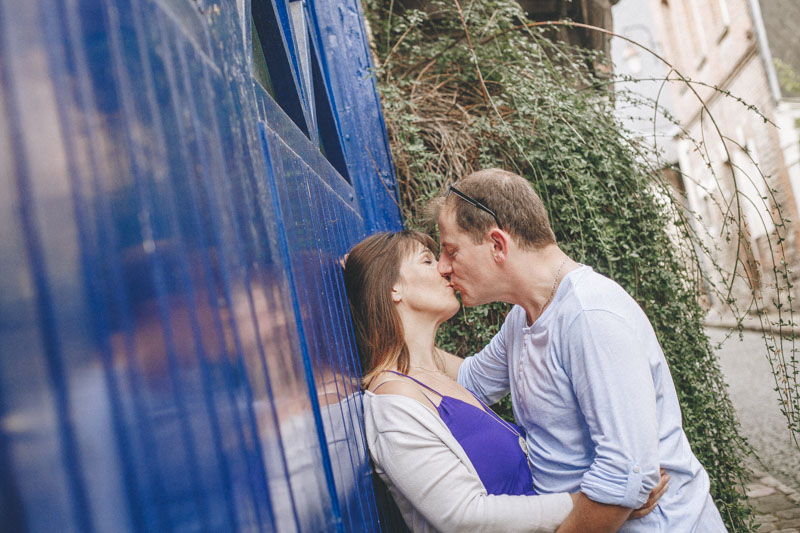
(395, 404)
(401, 387)
(396, 425)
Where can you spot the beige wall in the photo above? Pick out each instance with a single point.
(714, 42)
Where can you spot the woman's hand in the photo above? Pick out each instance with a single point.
(652, 500)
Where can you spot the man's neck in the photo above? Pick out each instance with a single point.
(534, 277)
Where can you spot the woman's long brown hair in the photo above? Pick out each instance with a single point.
(371, 270)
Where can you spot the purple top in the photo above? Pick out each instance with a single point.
(491, 443)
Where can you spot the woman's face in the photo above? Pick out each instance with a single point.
(421, 288)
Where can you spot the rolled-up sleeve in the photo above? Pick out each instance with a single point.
(614, 388)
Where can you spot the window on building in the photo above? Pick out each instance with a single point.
(327, 127)
(260, 70)
(683, 28)
(797, 127)
(677, 52)
(697, 32)
(297, 17)
(756, 208)
(289, 64)
(720, 18)
(275, 39)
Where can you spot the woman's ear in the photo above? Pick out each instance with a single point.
(397, 295)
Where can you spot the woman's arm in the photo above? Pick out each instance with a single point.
(415, 453)
(591, 517)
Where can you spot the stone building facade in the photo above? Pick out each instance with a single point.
(740, 164)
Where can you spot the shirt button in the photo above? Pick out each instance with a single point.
(636, 469)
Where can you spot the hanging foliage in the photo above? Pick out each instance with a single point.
(476, 86)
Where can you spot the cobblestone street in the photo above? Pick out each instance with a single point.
(777, 505)
(775, 487)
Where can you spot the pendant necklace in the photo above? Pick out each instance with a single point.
(520, 439)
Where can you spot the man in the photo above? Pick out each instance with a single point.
(588, 379)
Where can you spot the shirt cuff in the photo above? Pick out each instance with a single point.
(627, 489)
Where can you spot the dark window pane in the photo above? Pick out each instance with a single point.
(260, 70)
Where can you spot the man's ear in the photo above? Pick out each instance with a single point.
(499, 241)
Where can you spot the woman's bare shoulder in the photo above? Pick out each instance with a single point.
(402, 387)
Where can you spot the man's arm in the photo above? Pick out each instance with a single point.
(451, 364)
(594, 517)
(588, 516)
(486, 373)
(615, 393)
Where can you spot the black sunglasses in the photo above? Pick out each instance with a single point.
(476, 203)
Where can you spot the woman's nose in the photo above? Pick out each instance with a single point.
(444, 267)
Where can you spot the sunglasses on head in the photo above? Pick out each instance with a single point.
(474, 202)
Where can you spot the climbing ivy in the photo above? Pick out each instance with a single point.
(475, 86)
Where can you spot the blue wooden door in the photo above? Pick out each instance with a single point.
(178, 182)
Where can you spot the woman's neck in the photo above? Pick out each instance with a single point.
(420, 337)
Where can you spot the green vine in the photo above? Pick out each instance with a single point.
(477, 85)
(787, 76)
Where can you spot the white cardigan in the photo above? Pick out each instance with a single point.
(433, 481)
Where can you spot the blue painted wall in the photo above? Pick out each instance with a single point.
(175, 348)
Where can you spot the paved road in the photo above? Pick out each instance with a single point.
(747, 372)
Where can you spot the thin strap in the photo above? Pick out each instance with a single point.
(381, 385)
(479, 400)
(416, 381)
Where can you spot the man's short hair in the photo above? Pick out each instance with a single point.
(517, 206)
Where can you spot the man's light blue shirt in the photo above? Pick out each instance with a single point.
(590, 385)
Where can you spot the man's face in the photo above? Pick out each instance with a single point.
(467, 265)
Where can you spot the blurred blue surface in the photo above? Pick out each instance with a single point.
(178, 182)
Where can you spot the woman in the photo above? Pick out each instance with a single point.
(449, 461)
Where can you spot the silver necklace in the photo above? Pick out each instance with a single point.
(552, 294)
(436, 363)
(553, 290)
(520, 439)
(555, 282)
(427, 369)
